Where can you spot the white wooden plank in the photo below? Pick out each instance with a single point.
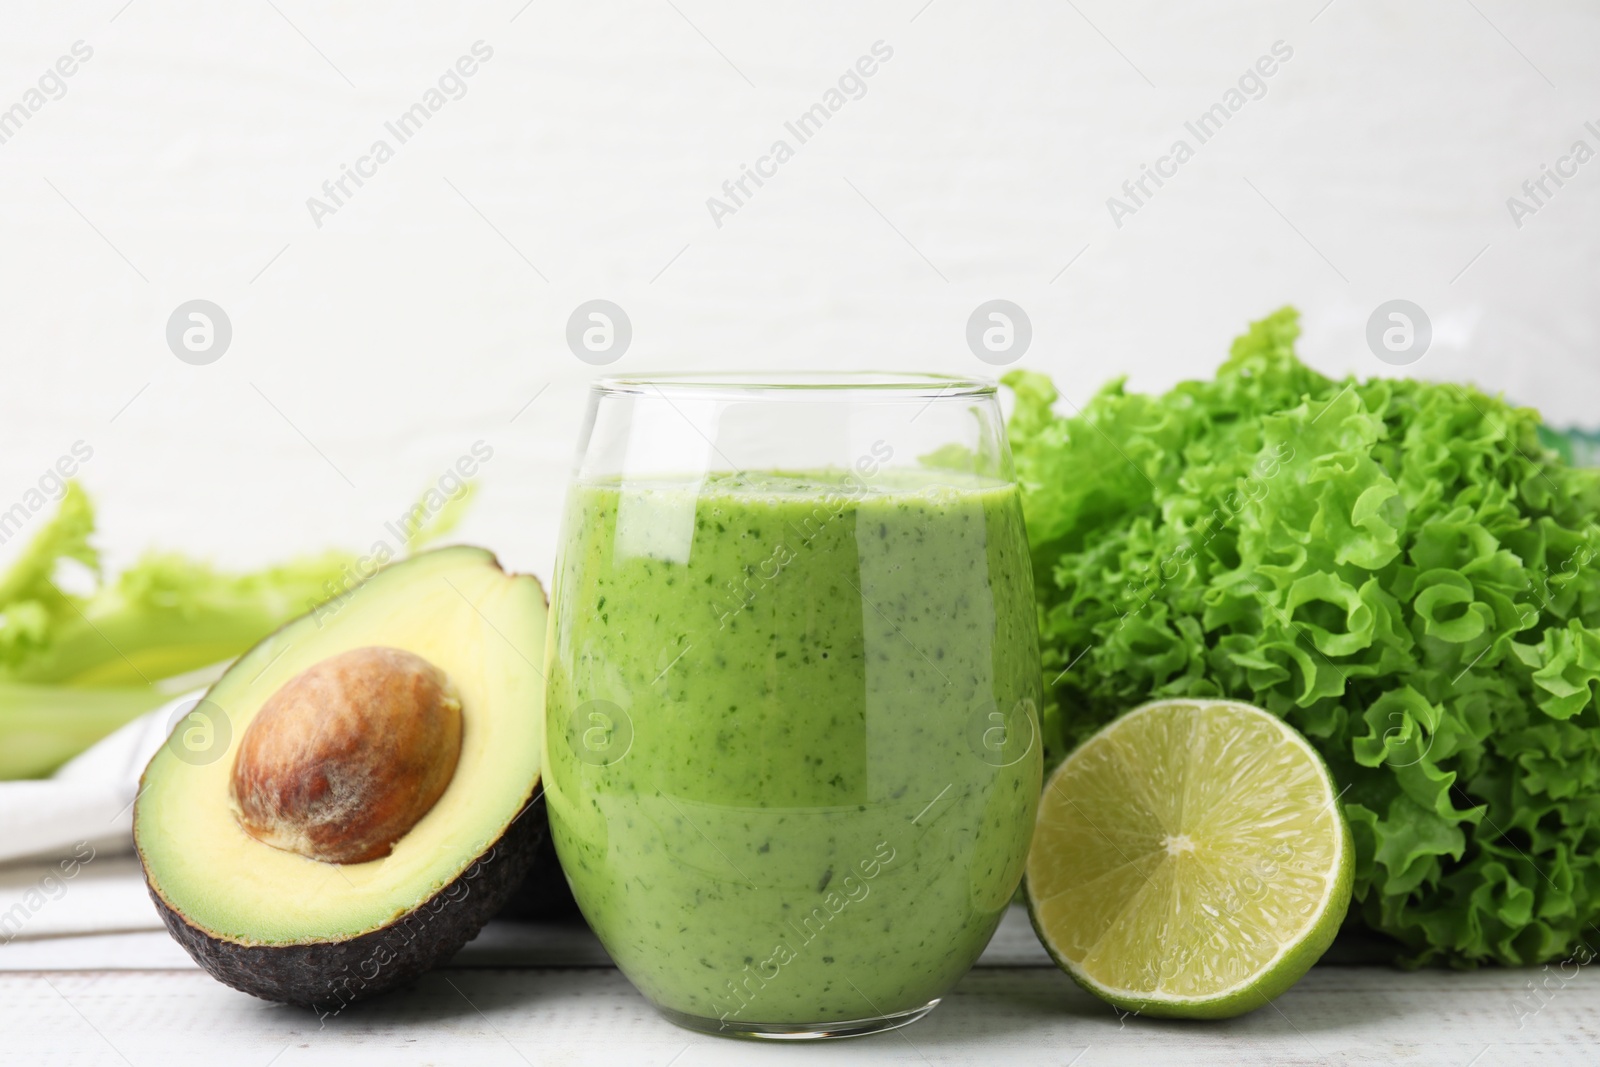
(546, 993)
(104, 894)
(1014, 1016)
(138, 951)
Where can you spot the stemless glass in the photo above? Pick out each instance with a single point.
(792, 751)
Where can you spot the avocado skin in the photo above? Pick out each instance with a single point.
(328, 976)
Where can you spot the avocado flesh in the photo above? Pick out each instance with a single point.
(289, 928)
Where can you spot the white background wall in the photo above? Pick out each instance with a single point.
(409, 325)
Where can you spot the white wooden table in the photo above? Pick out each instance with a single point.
(545, 994)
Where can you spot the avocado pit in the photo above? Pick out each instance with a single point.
(345, 758)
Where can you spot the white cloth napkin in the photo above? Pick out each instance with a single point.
(89, 801)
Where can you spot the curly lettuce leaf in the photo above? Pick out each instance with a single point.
(1402, 569)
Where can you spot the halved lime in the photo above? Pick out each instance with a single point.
(1190, 860)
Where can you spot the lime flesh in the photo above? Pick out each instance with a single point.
(1190, 860)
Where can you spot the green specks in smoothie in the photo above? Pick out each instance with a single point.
(802, 728)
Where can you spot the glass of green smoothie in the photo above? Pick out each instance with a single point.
(792, 747)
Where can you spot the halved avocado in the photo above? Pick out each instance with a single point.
(359, 793)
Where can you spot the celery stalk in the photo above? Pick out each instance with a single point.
(74, 667)
(43, 726)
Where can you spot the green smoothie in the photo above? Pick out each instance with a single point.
(792, 754)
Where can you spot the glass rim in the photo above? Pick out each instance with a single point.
(898, 385)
